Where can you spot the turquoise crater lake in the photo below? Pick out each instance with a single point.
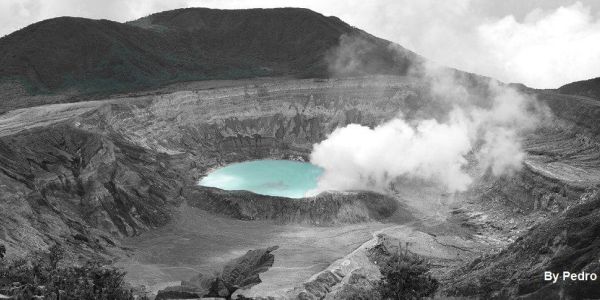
(284, 178)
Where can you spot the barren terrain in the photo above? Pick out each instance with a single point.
(117, 177)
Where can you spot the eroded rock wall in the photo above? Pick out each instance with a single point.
(90, 173)
(106, 169)
(66, 184)
(327, 208)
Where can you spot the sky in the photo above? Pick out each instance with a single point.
(541, 43)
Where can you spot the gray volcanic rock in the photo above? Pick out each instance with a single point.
(324, 209)
(240, 273)
(87, 174)
(178, 292)
(358, 286)
(90, 173)
(570, 242)
(107, 169)
(64, 183)
(244, 271)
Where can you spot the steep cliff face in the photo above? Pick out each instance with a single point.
(63, 183)
(282, 118)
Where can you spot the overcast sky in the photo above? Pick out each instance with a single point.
(542, 43)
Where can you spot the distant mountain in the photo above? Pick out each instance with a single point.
(84, 56)
(588, 88)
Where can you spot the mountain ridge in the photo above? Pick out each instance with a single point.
(586, 88)
(107, 57)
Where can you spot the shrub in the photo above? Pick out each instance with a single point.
(39, 275)
(2, 251)
(56, 254)
(405, 276)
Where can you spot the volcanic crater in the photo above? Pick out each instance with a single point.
(116, 177)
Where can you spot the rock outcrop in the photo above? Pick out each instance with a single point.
(240, 273)
(62, 183)
(327, 208)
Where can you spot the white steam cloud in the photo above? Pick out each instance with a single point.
(473, 140)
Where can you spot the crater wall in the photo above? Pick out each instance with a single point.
(91, 172)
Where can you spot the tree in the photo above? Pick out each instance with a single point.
(56, 255)
(405, 277)
(40, 275)
(2, 251)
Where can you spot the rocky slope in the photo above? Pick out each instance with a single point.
(106, 169)
(90, 173)
(327, 208)
(242, 272)
(568, 242)
(61, 183)
(97, 175)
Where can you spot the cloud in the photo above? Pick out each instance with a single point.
(16, 14)
(547, 49)
(544, 49)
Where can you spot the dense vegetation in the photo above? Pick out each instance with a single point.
(41, 274)
(588, 88)
(405, 275)
(98, 56)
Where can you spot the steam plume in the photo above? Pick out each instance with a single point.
(472, 137)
